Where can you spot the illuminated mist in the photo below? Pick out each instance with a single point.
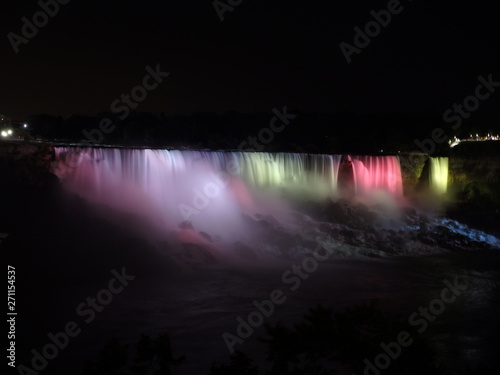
(212, 189)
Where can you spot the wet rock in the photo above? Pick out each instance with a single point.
(271, 221)
(186, 225)
(328, 229)
(244, 251)
(409, 212)
(424, 228)
(336, 212)
(206, 236)
(194, 253)
(348, 234)
(443, 231)
(364, 214)
(426, 239)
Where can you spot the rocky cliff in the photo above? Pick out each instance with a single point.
(25, 165)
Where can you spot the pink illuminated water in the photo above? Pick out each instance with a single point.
(212, 189)
(377, 173)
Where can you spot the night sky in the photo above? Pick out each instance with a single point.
(264, 54)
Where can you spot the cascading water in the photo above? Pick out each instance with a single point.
(211, 190)
(377, 173)
(438, 175)
(156, 172)
(277, 204)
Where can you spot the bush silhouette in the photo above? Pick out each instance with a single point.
(153, 357)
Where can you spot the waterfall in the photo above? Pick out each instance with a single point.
(212, 188)
(438, 174)
(377, 173)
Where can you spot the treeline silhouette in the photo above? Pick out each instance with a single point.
(323, 343)
(307, 132)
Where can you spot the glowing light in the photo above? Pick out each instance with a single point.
(455, 141)
(4, 134)
(438, 175)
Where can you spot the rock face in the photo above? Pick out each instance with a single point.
(412, 170)
(25, 165)
(474, 174)
(28, 190)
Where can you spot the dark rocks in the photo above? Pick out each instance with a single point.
(336, 212)
(427, 240)
(244, 251)
(186, 225)
(409, 212)
(24, 165)
(326, 228)
(348, 234)
(206, 236)
(268, 221)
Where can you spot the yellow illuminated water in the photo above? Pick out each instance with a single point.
(438, 174)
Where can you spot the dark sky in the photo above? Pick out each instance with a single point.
(265, 54)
